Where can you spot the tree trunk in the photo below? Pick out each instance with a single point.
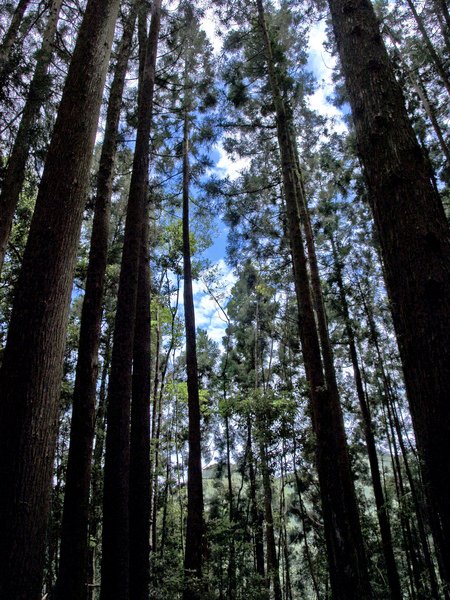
(383, 517)
(72, 576)
(193, 557)
(95, 513)
(115, 551)
(414, 238)
(10, 38)
(257, 516)
(37, 94)
(32, 366)
(273, 573)
(432, 52)
(140, 435)
(346, 555)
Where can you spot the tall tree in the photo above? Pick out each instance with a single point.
(346, 554)
(15, 170)
(32, 367)
(115, 551)
(414, 239)
(10, 38)
(193, 558)
(72, 576)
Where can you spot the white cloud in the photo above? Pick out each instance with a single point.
(209, 26)
(322, 64)
(228, 166)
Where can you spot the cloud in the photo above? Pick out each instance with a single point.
(228, 166)
(322, 65)
(209, 26)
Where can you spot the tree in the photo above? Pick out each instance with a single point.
(73, 563)
(414, 239)
(15, 170)
(115, 549)
(32, 367)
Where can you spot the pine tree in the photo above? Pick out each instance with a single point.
(414, 239)
(32, 366)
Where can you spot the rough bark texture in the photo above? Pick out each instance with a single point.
(72, 576)
(115, 557)
(345, 548)
(32, 366)
(37, 94)
(193, 558)
(140, 435)
(414, 239)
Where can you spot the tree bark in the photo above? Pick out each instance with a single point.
(32, 365)
(72, 576)
(140, 435)
(37, 94)
(115, 553)
(414, 239)
(345, 548)
(193, 558)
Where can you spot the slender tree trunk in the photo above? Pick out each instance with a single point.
(32, 365)
(305, 534)
(420, 90)
(346, 555)
(37, 94)
(273, 573)
(193, 557)
(95, 513)
(72, 576)
(232, 546)
(396, 430)
(431, 51)
(140, 435)
(382, 512)
(415, 242)
(441, 5)
(115, 553)
(10, 38)
(257, 517)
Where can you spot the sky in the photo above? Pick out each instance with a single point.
(321, 63)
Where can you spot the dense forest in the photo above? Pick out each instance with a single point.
(224, 300)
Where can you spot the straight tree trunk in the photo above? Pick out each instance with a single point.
(273, 573)
(31, 372)
(140, 435)
(383, 517)
(95, 512)
(193, 558)
(420, 90)
(443, 74)
(257, 517)
(415, 243)
(10, 38)
(345, 548)
(37, 94)
(72, 576)
(115, 551)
